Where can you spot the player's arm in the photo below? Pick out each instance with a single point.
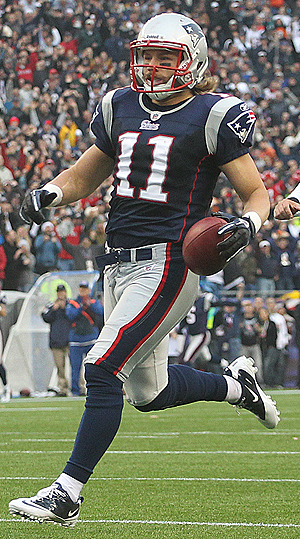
(288, 207)
(245, 179)
(78, 181)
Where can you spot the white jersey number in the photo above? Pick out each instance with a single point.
(159, 165)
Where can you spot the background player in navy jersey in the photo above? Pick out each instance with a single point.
(166, 138)
(197, 352)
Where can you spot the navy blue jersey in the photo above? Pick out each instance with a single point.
(167, 160)
(196, 320)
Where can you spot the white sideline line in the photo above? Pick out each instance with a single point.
(172, 523)
(37, 409)
(187, 479)
(158, 452)
(159, 434)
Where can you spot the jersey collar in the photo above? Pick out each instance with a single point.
(160, 110)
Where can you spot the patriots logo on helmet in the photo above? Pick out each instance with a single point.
(194, 32)
(243, 124)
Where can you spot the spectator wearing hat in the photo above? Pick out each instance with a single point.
(47, 247)
(49, 134)
(89, 36)
(70, 229)
(52, 83)
(55, 315)
(267, 270)
(14, 122)
(218, 21)
(86, 315)
(282, 248)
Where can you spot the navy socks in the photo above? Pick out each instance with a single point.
(104, 404)
(188, 385)
(99, 423)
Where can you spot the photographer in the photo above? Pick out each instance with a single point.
(47, 248)
(86, 315)
(55, 315)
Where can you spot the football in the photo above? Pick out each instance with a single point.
(199, 248)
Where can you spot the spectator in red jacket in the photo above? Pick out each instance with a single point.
(3, 261)
(25, 65)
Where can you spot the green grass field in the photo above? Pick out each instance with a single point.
(193, 472)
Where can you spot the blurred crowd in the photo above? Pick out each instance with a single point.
(59, 57)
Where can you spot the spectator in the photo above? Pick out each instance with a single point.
(12, 268)
(70, 229)
(283, 251)
(250, 337)
(89, 36)
(55, 315)
(47, 248)
(66, 135)
(86, 315)
(5, 397)
(267, 270)
(3, 261)
(282, 341)
(267, 340)
(5, 173)
(226, 334)
(83, 254)
(248, 265)
(26, 263)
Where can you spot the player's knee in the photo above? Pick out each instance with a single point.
(99, 379)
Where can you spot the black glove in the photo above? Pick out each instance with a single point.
(242, 230)
(31, 209)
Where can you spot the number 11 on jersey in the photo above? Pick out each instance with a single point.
(158, 169)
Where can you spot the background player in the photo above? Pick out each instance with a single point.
(166, 138)
(289, 206)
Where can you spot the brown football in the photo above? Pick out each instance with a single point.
(199, 248)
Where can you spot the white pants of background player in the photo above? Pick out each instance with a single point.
(198, 348)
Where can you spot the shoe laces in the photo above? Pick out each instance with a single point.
(51, 492)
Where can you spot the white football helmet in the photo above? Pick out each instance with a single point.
(175, 32)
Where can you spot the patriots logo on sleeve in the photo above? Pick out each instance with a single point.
(242, 124)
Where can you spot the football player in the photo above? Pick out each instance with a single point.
(287, 208)
(167, 137)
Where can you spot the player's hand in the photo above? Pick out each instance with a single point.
(33, 203)
(241, 230)
(286, 209)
